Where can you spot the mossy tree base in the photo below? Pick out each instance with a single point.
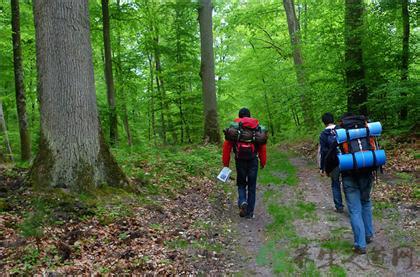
(52, 169)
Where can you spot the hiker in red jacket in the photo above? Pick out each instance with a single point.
(247, 155)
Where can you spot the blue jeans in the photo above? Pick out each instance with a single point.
(247, 182)
(336, 188)
(357, 190)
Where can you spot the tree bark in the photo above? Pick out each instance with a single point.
(211, 125)
(268, 109)
(405, 52)
(164, 101)
(110, 89)
(72, 152)
(294, 33)
(120, 79)
(357, 93)
(162, 98)
(3, 128)
(152, 98)
(25, 138)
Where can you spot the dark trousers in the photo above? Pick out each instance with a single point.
(247, 182)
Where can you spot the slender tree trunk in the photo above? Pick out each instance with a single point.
(162, 99)
(72, 152)
(181, 80)
(120, 79)
(294, 33)
(295, 117)
(211, 124)
(126, 124)
(357, 93)
(3, 129)
(110, 89)
(25, 138)
(166, 109)
(405, 57)
(152, 97)
(267, 106)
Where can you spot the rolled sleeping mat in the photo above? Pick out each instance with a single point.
(375, 129)
(363, 159)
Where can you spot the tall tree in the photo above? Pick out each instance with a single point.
(357, 92)
(120, 79)
(3, 129)
(211, 125)
(294, 33)
(72, 152)
(110, 89)
(405, 56)
(25, 138)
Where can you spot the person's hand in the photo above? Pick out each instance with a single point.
(322, 172)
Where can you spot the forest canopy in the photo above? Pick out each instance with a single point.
(155, 53)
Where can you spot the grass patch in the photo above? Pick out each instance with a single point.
(385, 210)
(282, 232)
(279, 170)
(337, 271)
(342, 246)
(195, 244)
(405, 177)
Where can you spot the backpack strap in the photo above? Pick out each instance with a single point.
(348, 142)
(354, 161)
(239, 130)
(374, 157)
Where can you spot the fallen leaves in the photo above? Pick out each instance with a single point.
(167, 236)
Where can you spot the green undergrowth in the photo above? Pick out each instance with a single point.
(156, 173)
(279, 170)
(169, 166)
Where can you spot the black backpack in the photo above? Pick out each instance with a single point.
(246, 140)
(236, 132)
(330, 159)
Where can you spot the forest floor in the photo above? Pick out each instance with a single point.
(181, 221)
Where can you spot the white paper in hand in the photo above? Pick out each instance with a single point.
(224, 174)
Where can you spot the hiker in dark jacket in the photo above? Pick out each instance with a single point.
(357, 186)
(326, 141)
(246, 169)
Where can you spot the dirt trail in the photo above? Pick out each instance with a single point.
(328, 234)
(251, 236)
(384, 257)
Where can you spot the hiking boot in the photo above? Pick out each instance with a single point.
(358, 250)
(369, 240)
(339, 210)
(243, 209)
(250, 216)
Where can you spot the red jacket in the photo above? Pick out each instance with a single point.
(228, 145)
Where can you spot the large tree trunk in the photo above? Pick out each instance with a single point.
(357, 92)
(211, 125)
(25, 138)
(405, 52)
(72, 152)
(113, 123)
(294, 33)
